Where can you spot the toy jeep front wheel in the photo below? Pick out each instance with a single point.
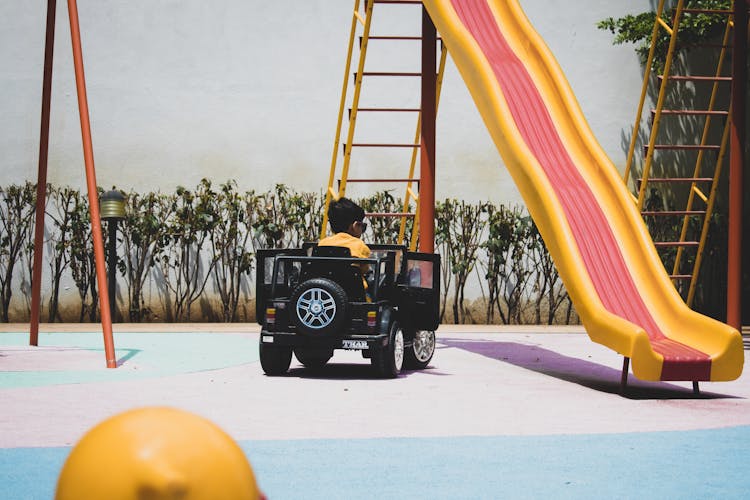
(389, 360)
(275, 360)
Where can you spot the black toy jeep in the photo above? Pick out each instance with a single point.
(313, 300)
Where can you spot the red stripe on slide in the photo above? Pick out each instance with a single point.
(596, 242)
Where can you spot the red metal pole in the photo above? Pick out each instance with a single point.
(41, 177)
(88, 158)
(736, 165)
(427, 141)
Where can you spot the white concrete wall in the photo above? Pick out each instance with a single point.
(249, 90)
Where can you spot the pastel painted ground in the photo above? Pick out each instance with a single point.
(511, 412)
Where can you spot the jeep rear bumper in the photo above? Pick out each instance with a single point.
(349, 342)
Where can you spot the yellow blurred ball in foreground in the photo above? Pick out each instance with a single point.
(156, 453)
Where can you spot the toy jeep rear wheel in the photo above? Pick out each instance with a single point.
(319, 306)
(389, 360)
(419, 355)
(275, 360)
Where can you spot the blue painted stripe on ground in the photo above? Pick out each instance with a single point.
(155, 354)
(688, 464)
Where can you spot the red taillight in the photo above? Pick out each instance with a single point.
(371, 319)
(270, 315)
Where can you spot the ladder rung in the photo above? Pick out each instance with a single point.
(383, 180)
(375, 145)
(389, 214)
(704, 46)
(396, 37)
(389, 73)
(676, 243)
(673, 212)
(686, 147)
(707, 11)
(681, 276)
(396, 110)
(698, 78)
(678, 179)
(691, 112)
(393, 38)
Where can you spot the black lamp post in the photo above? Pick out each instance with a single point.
(112, 208)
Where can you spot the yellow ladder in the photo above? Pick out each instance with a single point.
(337, 182)
(705, 178)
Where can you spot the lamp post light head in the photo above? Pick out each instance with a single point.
(112, 205)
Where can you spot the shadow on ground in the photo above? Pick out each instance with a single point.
(578, 371)
(131, 353)
(334, 371)
(343, 371)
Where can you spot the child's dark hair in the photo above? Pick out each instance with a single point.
(342, 212)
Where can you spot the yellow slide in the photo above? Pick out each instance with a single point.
(583, 209)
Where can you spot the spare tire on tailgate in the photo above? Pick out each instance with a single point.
(319, 307)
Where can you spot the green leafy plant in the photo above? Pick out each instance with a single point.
(508, 269)
(443, 242)
(185, 240)
(301, 215)
(694, 29)
(17, 206)
(184, 270)
(268, 221)
(497, 247)
(81, 257)
(459, 231)
(143, 237)
(63, 203)
(548, 286)
(229, 239)
(519, 270)
(382, 229)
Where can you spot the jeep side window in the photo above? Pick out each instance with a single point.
(268, 270)
(419, 273)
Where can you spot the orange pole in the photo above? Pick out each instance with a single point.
(736, 166)
(427, 141)
(88, 158)
(41, 178)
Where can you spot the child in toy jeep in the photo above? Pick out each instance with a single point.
(313, 300)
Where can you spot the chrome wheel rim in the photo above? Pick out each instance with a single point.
(424, 345)
(398, 349)
(316, 308)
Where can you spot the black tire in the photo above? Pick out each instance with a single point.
(319, 307)
(419, 355)
(389, 360)
(275, 360)
(313, 359)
